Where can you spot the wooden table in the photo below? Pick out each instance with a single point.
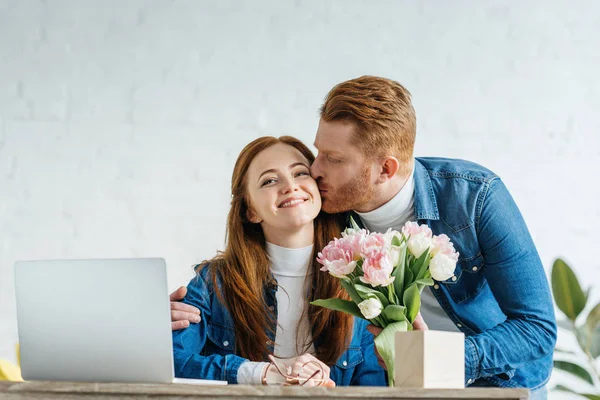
(81, 390)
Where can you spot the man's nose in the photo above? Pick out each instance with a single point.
(315, 169)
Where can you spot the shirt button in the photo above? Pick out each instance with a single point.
(345, 363)
(271, 308)
(475, 268)
(454, 278)
(469, 381)
(226, 343)
(459, 325)
(436, 286)
(268, 342)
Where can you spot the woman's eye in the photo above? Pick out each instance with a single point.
(302, 173)
(268, 182)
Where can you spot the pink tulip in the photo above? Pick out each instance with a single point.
(377, 268)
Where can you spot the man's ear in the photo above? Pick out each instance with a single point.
(252, 217)
(388, 168)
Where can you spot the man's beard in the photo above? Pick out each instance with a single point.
(350, 196)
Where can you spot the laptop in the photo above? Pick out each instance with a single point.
(95, 321)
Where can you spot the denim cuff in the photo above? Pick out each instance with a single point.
(471, 362)
(232, 365)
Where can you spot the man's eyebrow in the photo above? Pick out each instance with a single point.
(291, 166)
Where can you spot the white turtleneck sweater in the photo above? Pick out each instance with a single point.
(290, 268)
(394, 214)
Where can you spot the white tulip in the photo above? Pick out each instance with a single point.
(418, 244)
(395, 254)
(370, 308)
(442, 267)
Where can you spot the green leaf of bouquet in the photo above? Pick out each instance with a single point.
(346, 306)
(396, 241)
(386, 344)
(395, 313)
(412, 302)
(353, 224)
(574, 369)
(398, 272)
(349, 287)
(421, 283)
(566, 290)
(423, 263)
(366, 293)
(425, 281)
(408, 278)
(415, 267)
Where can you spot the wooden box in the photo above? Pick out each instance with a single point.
(430, 360)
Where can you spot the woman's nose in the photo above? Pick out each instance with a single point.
(288, 185)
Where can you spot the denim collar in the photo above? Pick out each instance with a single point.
(425, 201)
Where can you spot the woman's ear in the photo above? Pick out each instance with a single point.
(252, 217)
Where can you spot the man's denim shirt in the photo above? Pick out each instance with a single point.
(207, 350)
(499, 295)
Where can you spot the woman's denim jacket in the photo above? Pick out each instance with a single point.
(499, 295)
(206, 350)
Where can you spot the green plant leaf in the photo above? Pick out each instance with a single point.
(574, 369)
(386, 345)
(566, 289)
(346, 306)
(412, 302)
(366, 293)
(395, 313)
(568, 325)
(589, 396)
(562, 388)
(594, 343)
(593, 319)
(563, 351)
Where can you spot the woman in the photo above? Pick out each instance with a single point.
(254, 296)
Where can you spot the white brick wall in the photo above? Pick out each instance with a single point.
(120, 120)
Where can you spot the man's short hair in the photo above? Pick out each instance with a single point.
(382, 113)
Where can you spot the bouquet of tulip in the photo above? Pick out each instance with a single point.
(384, 275)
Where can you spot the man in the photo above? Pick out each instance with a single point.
(499, 295)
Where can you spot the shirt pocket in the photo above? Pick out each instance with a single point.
(221, 340)
(350, 358)
(468, 279)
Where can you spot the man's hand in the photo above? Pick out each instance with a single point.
(182, 314)
(418, 325)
